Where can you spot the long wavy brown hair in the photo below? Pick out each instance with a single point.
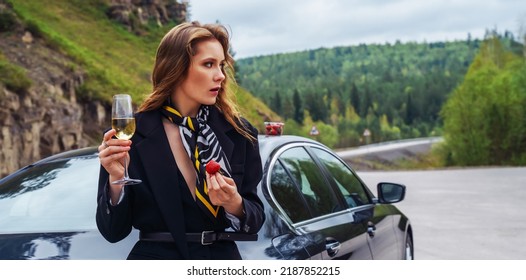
(173, 59)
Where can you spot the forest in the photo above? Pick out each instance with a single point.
(394, 91)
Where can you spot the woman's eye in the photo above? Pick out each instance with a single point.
(209, 64)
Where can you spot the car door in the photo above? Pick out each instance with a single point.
(376, 218)
(319, 222)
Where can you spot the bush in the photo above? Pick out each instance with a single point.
(484, 118)
(7, 21)
(13, 77)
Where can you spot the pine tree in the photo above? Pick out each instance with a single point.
(298, 107)
(276, 104)
(355, 98)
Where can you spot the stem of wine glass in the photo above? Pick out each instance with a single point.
(126, 177)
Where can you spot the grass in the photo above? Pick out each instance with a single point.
(251, 108)
(13, 77)
(115, 59)
(419, 162)
(432, 159)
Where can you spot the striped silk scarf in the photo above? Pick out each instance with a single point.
(201, 144)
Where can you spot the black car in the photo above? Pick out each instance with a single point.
(316, 208)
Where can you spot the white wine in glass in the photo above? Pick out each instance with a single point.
(125, 127)
(123, 122)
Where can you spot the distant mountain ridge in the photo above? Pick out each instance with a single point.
(394, 91)
(405, 82)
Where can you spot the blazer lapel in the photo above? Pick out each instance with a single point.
(161, 172)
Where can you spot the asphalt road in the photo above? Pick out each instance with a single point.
(463, 214)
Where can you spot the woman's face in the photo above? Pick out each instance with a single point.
(203, 82)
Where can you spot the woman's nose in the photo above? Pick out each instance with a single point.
(219, 76)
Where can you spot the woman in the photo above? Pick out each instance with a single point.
(188, 120)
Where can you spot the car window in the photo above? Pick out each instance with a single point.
(351, 187)
(58, 196)
(315, 195)
(288, 195)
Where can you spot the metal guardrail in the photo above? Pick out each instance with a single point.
(386, 146)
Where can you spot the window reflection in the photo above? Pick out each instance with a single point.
(350, 186)
(51, 197)
(39, 177)
(299, 186)
(287, 195)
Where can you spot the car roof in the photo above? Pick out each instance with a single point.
(282, 139)
(87, 152)
(266, 145)
(82, 152)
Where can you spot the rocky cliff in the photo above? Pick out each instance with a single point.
(49, 116)
(136, 13)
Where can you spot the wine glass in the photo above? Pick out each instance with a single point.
(123, 122)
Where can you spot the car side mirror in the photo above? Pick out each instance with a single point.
(390, 193)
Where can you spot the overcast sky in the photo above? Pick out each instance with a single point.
(278, 26)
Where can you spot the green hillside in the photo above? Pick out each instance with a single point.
(115, 59)
(392, 91)
(395, 91)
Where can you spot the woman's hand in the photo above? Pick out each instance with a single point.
(111, 155)
(222, 191)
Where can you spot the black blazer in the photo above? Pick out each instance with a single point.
(155, 204)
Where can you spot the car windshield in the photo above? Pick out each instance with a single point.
(51, 197)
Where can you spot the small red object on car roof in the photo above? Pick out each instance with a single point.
(274, 128)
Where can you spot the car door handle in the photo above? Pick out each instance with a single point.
(332, 246)
(371, 229)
